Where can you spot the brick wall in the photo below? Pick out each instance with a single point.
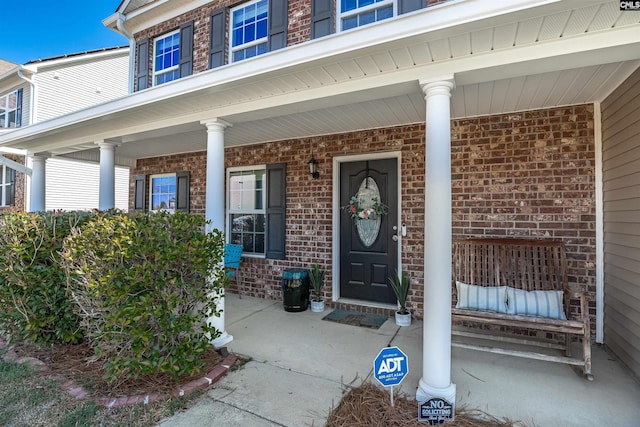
(521, 174)
(298, 29)
(195, 163)
(19, 204)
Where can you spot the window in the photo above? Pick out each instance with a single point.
(256, 199)
(10, 109)
(166, 58)
(356, 13)
(247, 213)
(7, 186)
(163, 192)
(249, 30)
(169, 191)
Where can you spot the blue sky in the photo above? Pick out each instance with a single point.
(34, 29)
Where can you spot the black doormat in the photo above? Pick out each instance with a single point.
(355, 318)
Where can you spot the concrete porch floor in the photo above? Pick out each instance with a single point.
(300, 364)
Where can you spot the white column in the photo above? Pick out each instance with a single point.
(436, 346)
(214, 205)
(38, 182)
(107, 191)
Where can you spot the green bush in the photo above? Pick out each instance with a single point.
(144, 285)
(34, 304)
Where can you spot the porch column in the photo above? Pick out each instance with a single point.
(214, 204)
(436, 342)
(107, 191)
(38, 182)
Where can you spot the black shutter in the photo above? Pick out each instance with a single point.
(276, 204)
(19, 109)
(182, 191)
(278, 10)
(11, 189)
(142, 74)
(406, 6)
(218, 38)
(321, 18)
(139, 192)
(186, 49)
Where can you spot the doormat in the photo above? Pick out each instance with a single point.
(355, 318)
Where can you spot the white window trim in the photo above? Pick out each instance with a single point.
(160, 175)
(229, 211)
(243, 46)
(340, 16)
(4, 186)
(7, 109)
(166, 70)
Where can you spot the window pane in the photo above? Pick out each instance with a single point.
(347, 5)
(163, 192)
(259, 243)
(349, 23)
(367, 18)
(250, 23)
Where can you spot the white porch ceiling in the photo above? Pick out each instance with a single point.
(558, 53)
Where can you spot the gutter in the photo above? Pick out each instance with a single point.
(132, 47)
(32, 96)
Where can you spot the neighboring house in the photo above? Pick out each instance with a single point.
(46, 88)
(532, 103)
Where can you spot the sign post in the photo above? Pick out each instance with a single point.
(390, 367)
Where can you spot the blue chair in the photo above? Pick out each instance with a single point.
(232, 258)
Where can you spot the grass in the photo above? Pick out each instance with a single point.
(28, 398)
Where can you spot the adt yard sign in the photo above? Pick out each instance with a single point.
(390, 366)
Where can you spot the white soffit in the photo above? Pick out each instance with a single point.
(571, 52)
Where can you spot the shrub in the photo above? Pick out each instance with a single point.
(34, 304)
(144, 286)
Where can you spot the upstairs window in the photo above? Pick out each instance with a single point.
(10, 109)
(166, 58)
(356, 13)
(249, 30)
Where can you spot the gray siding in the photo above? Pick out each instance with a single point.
(73, 185)
(621, 187)
(72, 86)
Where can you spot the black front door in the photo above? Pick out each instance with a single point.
(368, 243)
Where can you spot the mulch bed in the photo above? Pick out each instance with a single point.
(370, 406)
(71, 362)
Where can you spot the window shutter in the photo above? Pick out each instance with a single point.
(182, 191)
(11, 189)
(276, 201)
(139, 192)
(217, 38)
(142, 70)
(186, 49)
(321, 18)
(278, 10)
(19, 110)
(406, 6)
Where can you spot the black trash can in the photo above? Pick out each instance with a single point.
(295, 289)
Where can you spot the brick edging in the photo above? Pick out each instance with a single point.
(80, 393)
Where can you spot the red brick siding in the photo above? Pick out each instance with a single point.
(19, 204)
(524, 174)
(195, 163)
(298, 29)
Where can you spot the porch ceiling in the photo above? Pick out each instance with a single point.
(558, 53)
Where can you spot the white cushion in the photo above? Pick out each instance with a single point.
(535, 303)
(491, 298)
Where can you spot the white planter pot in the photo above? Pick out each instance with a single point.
(403, 319)
(317, 306)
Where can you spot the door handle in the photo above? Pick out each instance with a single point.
(394, 237)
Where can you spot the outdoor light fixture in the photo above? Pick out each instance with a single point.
(313, 168)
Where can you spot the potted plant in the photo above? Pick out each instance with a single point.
(316, 276)
(400, 284)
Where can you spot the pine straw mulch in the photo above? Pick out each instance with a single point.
(370, 406)
(71, 362)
